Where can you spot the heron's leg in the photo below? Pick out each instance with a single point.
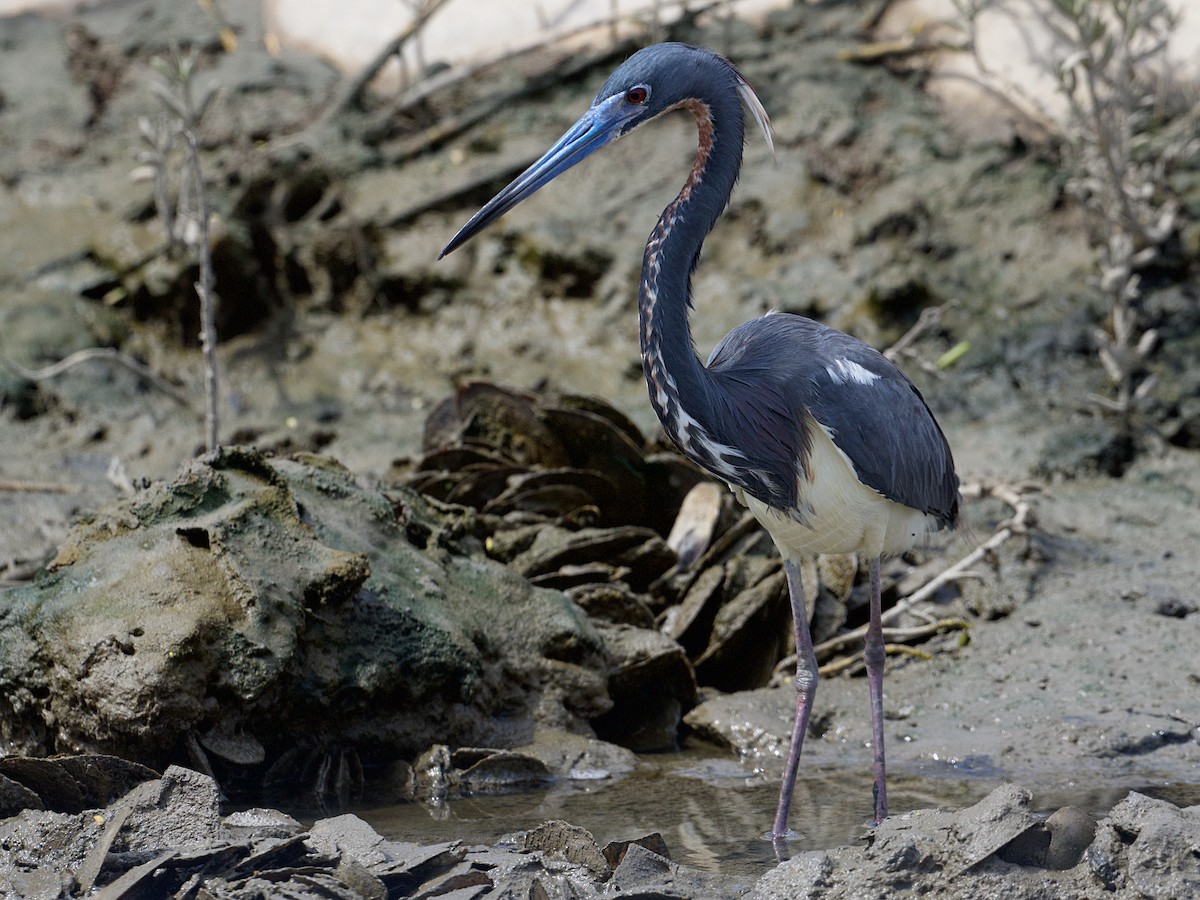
(806, 689)
(874, 656)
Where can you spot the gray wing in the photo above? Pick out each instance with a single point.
(782, 365)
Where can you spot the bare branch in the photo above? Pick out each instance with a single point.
(98, 353)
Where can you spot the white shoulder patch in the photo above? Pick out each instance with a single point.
(845, 370)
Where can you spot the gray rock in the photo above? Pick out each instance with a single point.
(259, 824)
(643, 872)
(181, 811)
(15, 797)
(270, 604)
(579, 758)
(562, 840)
(1071, 832)
(981, 830)
(347, 837)
(37, 839)
(933, 853)
(651, 684)
(1147, 848)
(755, 724)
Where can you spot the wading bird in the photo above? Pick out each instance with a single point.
(828, 443)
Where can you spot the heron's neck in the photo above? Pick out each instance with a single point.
(679, 384)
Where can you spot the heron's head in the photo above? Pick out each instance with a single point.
(653, 81)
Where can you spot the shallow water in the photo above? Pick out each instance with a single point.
(713, 814)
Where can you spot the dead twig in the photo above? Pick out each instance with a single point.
(878, 51)
(188, 221)
(204, 291)
(352, 89)
(37, 487)
(418, 94)
(894, 648)
(1019, 522)
(930, 317)
(107, 354)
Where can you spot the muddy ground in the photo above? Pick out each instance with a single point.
(340, 331)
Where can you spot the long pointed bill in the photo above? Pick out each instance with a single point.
(600, 125)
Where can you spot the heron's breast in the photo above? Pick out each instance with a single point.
(837, 513)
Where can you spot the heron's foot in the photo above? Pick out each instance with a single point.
(879, 801)
(781, 843)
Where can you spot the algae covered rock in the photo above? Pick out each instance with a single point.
(255, 605)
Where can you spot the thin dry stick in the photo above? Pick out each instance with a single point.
(893, 648)
(419, 93)
(204, 290)
(353, 88)
(1018, 523)
(104, 353)
(930, 316)
(37, 487)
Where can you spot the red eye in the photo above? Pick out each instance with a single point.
(637, 95)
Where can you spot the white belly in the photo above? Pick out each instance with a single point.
(838, 513)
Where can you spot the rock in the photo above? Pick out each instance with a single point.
(615, 603)
(174, 821)
(38, 884)
(614, 851)
(354, 875)
(274, 605)
(804, 875)
(696, 522)
(644, 873)
(1057, 843)
(1143, 848)
(347, 837)
(927, 852)
(985, 828)
(579, 758)
(181, 811)
(15, 797)
(690, 622)
(753, 724)
(102, 779)
(413, 865)
(554, 548)
(562, 840)
(1071, 832)
(502, 771)
(748, 637)
(651, 685)
(1147, 848)
(440, 773)
(432, 774)
(259, 824)
(46, 842)
(640, 868)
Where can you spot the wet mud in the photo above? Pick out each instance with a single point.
(431, 564)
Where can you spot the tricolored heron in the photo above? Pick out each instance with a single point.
(826, 441)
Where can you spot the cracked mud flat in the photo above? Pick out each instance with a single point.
(1083, 682)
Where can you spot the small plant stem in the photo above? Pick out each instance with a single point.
(204, 291)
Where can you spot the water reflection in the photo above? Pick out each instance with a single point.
(712, 813)
(715, 816)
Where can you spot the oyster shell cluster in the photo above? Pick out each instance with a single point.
(685, 588)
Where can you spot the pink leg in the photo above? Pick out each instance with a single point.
(874, 656)
(806, 689)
